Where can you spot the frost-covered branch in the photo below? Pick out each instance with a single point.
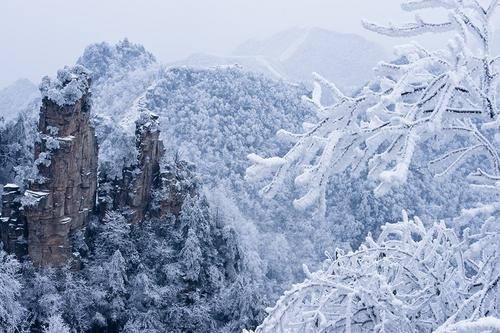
(410, 29)
(449, 94)
(411, 279)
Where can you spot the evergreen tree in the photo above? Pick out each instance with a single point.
(13, 314)
(56, 325)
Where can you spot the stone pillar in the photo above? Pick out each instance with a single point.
(66, 157)
(132, 193)
(151, 150)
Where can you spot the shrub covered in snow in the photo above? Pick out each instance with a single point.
(411, 279)
(70, 85)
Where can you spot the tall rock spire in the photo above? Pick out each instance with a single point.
(132, 192)
(66, 158)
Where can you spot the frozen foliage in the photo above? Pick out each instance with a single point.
(19, 106)
(214, 116)
(485, 325)
(56, 325)
(448, 97)
(103, 59)
(68, 87)
(411, 279)
(17, 138)
(13, 315)
(180, 274)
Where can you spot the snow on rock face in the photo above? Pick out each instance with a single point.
(66, 159)
(69, 86)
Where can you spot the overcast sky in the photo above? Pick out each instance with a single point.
(39, 36)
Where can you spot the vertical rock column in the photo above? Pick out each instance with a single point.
(132, 193)
(147, 172)
(13, 229)
(66, 156)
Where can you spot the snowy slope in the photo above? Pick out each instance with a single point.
(106, 60)
(254, 63)
(345, 59)
(294, 54)
(16, 98)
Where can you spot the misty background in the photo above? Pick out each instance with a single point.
(38, 37)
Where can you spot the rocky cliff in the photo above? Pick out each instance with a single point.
(13, 228)
(150, 149)
(63, 195)
(132, 193)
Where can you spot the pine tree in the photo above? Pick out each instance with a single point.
(56, 325)
(191, 257)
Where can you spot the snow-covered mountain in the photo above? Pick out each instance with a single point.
(254, 63)
(16, 98)
(214, 118)
(294, 54)
(346, 59)
(103, 59)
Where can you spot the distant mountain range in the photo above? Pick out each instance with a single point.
(292, 55)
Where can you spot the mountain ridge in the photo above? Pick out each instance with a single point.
(332, 54)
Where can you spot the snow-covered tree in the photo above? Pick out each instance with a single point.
(116, 278)
(411, 279)
(56, 325)
(447, 96)
(113, 235)
(191, 257)
(79, 300)
(440, 104)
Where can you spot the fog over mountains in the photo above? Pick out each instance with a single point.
(16, 97)
(294, 54)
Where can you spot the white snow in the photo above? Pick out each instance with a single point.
(16, 98)
(69, 85)
(295, 45)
